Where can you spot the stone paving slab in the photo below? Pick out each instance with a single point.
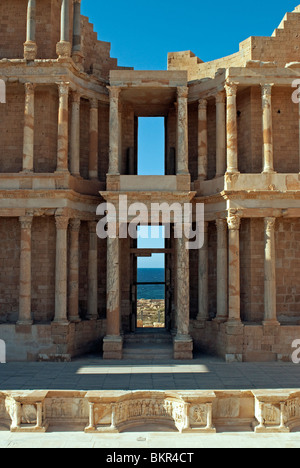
(146, 440)
(203, 373)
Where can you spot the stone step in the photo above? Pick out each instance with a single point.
(148, 350)
(153, 338)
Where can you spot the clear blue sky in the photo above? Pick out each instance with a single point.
(142, 33)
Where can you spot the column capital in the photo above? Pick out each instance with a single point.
(114, 91)
(63, 88)
(29, 88)
(75, 224)
(182, 92)
(220, 97)
(202, 104)
(270, 224)
(26, 222)
(266, 89)
(231, 88)
(62, 222)
(234, 222)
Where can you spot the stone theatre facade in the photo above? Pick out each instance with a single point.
(69, 141)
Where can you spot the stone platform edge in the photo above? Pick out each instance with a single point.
(263, 411)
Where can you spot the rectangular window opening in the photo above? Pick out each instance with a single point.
(151, 146)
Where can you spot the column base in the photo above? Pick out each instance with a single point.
(113, 347)
(30, 51)
(183, 348)
(220, 319)
(74, 319)
(63, 49)
(271, 323)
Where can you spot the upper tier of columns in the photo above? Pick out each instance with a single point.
(227, 132)
(68, 146)
(66, 46)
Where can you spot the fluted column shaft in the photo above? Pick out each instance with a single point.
(268, 150)
(75, 136)
(25, 272)
(182, 130)
(28, 139)
(222, 270)
(203, 278)
(114, 126)
(63, 128)
(93, 273)
(30, 48)
(270, 316)
(220, 134)
(74, 271)
(61, 315)
(202, 139)
(234, 302)
(77, 26)
(183, 288)
(113, 287)
(94, 145)
(232, 135)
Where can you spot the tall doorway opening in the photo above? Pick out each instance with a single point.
(151, 279)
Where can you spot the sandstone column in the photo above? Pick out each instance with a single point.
(63, 128)
(113, 342)
(202, 139)
(220, 134)
(270, 273)
(183, 344)
(234, 314)
(93, 156)
(25, 272)
(28, 141)
(93, 273)
(62, 223)
(222, 271)
(203, 279)
(114, 125)
(63, 48)
(232, 135)
(182, 130)
(77, 49)
(30, 47)
(74, 271)
(268, 150)
(75, 136)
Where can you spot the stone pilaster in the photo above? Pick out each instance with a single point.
(182, 130)
(63, 128)
(183, 343)
(202, 139)
(94, 145)
(93, 273)
(222, 271)
(73, 302)
(64, 47)
(25, 317)
(114, 126)
(77, 54)
(232, 134)
(220, 134)
(28, 140)
(268, 150)
(203, 279)
(30, 47)
(270, 317)
(75, 136)
(61, 315)
(234, 302)
(113, 342)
